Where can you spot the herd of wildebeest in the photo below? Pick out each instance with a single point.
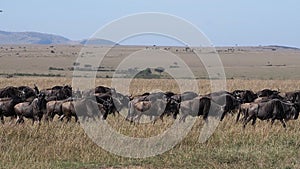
(26, 102)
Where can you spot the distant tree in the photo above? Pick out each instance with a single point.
(147, 71)
(159, 70)
(146, 74)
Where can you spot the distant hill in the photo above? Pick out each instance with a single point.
(44, 38)
(97, 42)
(283, 47)
(31, 38)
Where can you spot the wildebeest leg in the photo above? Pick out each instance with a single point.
(68, 118)
(272, 121)
(33, 119)
(52, 117)
(12, 119)
(19, 120)
(182, 118)
(155, 119)
(61, 118)
(40, 117)
(39, 120)
(253, 121)
(76, 118)
(2, 119)
(137, 118)
(46, 118)
(131, 114)
(244, 113)
(128, 117)
(161, 117)
(247, 119)
(104, 117)
(223, 115)
(238, 116)
(175, 115)
(114, 112)
(151, 117)
(283, 123)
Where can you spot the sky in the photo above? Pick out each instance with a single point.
(224, 22)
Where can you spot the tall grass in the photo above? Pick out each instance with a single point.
(61, 145)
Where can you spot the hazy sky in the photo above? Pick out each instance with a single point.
(225, 22)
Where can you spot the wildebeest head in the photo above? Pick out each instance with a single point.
(248, 96)
(297, 110)
(172, 107)
(293, 96)
(67, 90)
(41, 103)
(28, 93)
(36, 89)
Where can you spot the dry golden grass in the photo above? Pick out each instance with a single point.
(60, 145)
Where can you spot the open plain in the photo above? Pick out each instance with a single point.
(65, 145)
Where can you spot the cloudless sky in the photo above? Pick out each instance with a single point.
(225, 22)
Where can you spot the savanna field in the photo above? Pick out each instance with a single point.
(149, 84)
(65, 145)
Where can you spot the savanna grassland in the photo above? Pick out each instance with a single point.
(66, 145)
(61, 145)
(265, 63)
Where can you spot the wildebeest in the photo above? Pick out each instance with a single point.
(243, 109)
(58, 92)
(156, 104)
(120, 101)
(267, 98)
(149, 108)
(267, 93)
(103, 89)
(272, 109)
(228, 101)
(244, 96)
(53, 108)
(86, 107)
(291, 110)
(89, 108)
(33, 110)
(112, 102)
(261, 99)
(7, 107)
(293, 96)
(187, 96)
(218, 93)
(200, 106)
(68, 110)
(172, 108)
(107, 101)
(173, 102)
(99, 90)
(29, 93)
(10, 91)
